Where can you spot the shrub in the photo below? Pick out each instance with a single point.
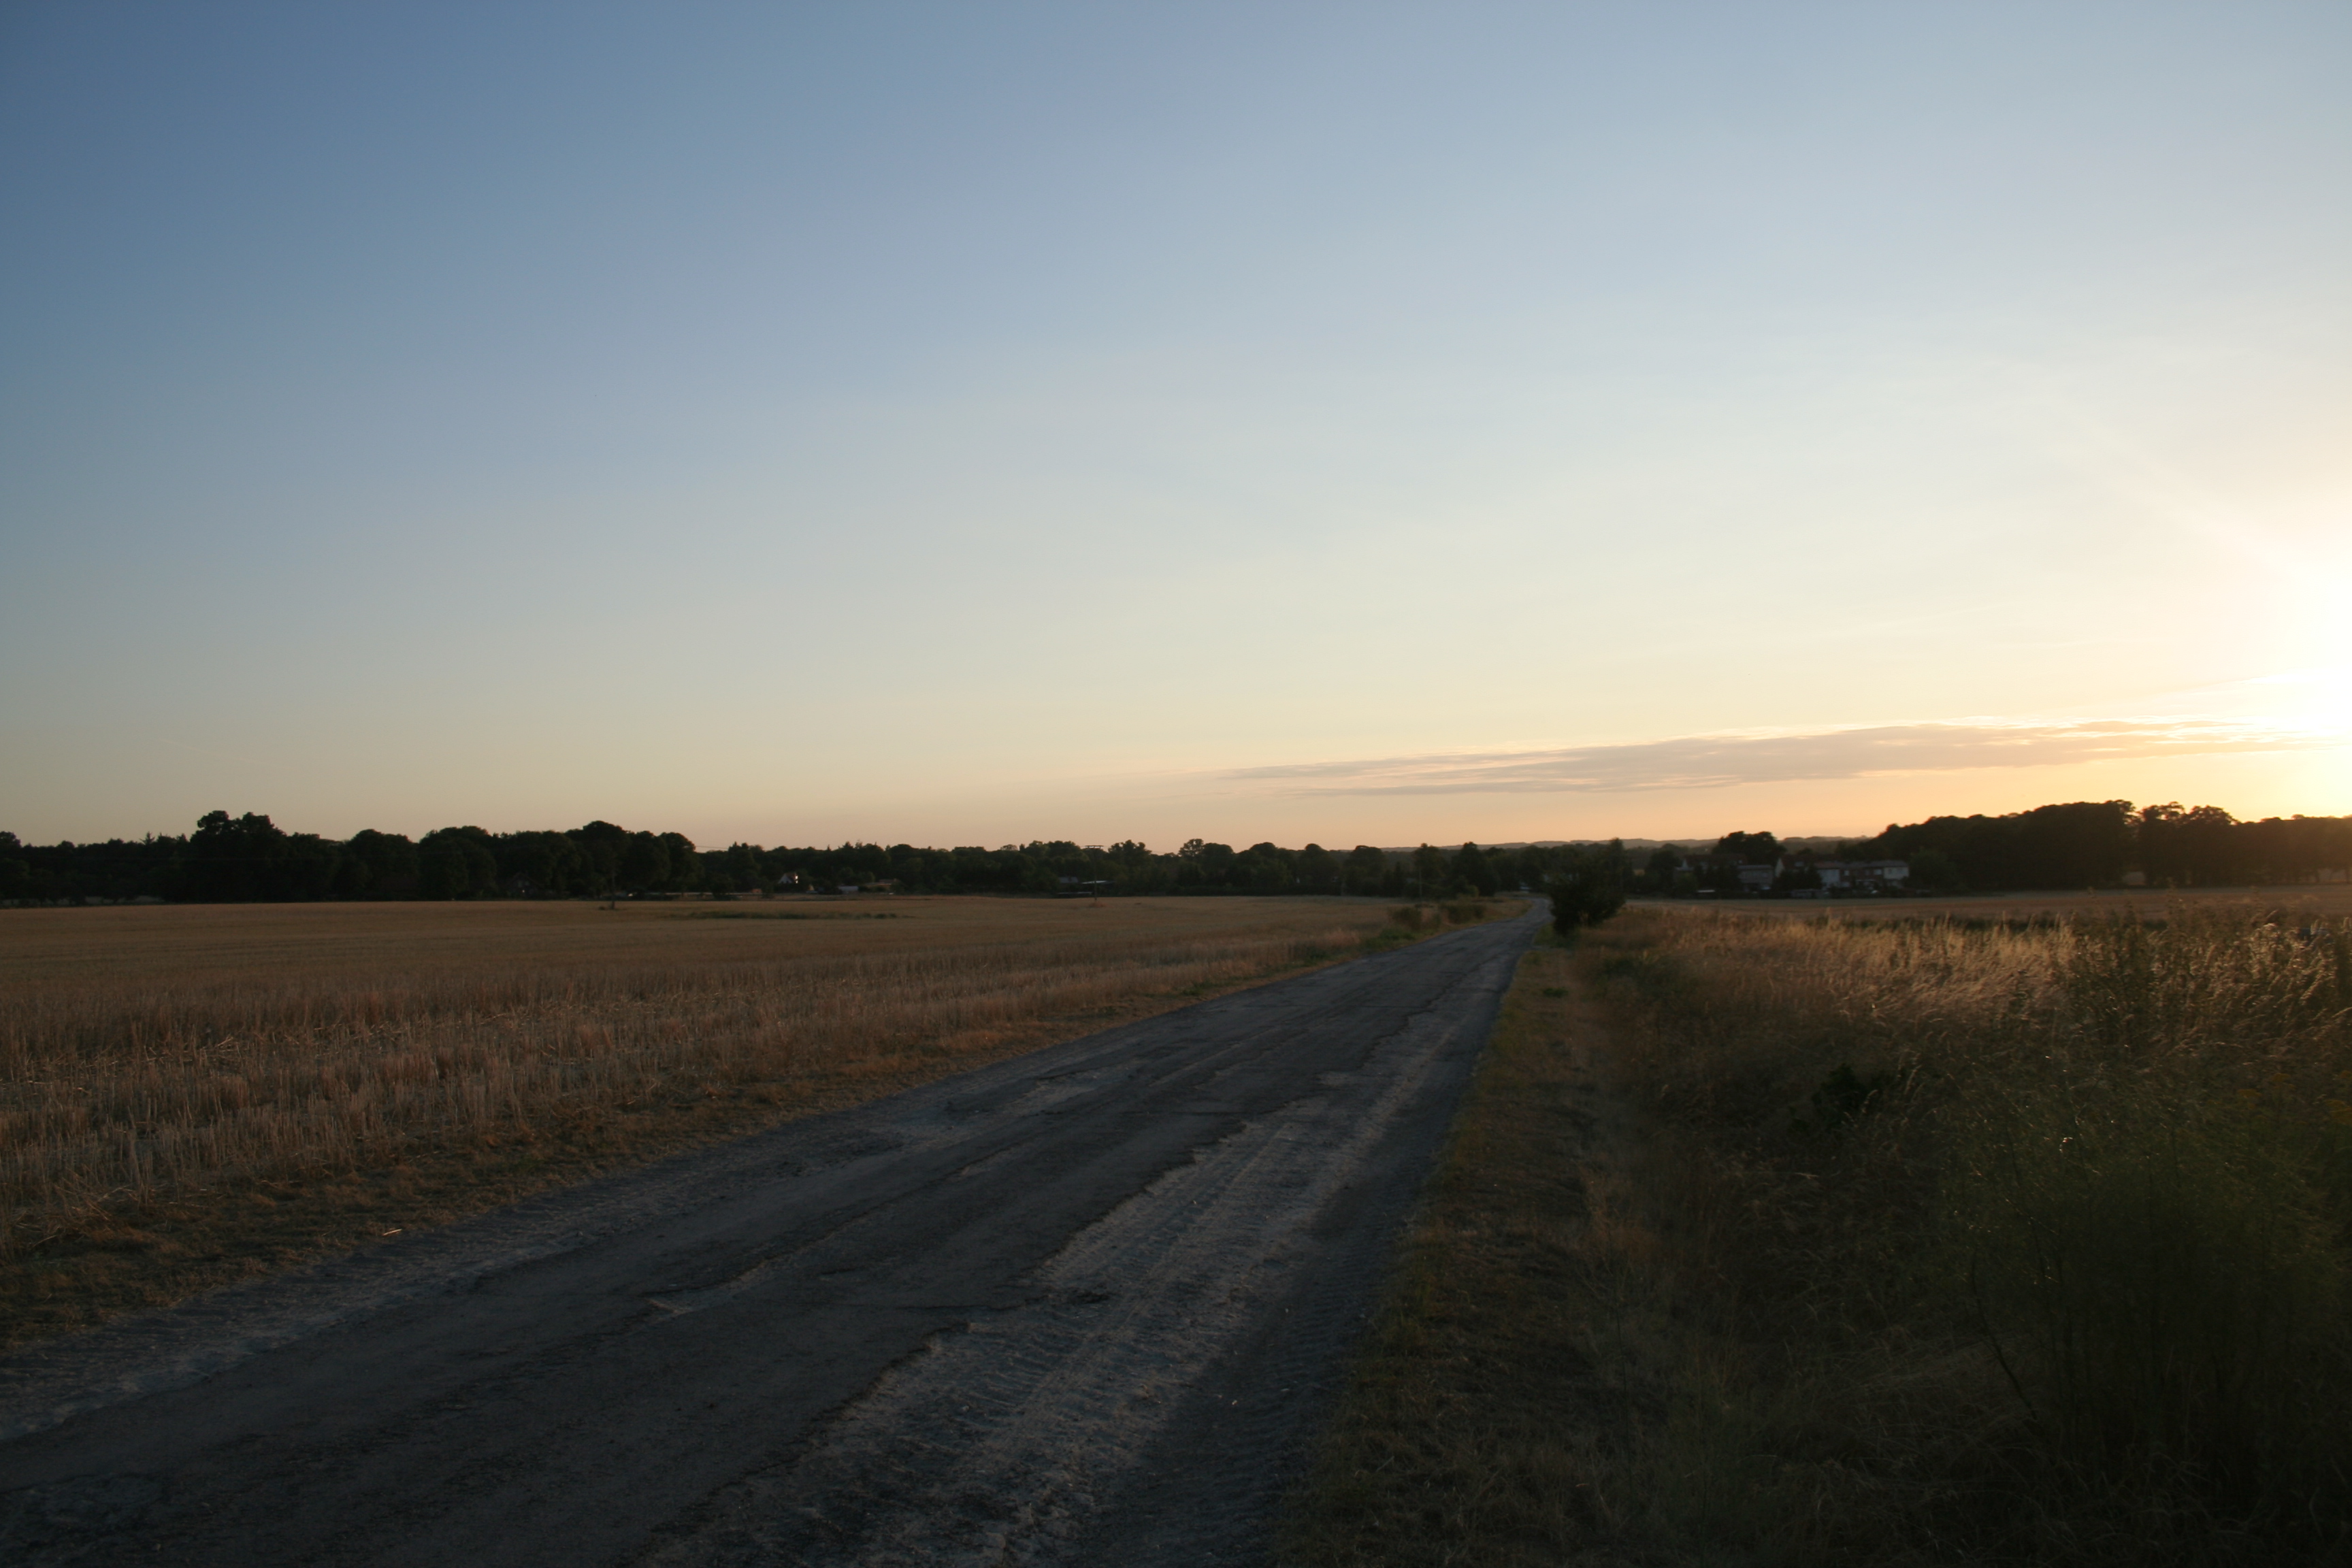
(2163, 1276)
(2032, 1240)
(1589, 889)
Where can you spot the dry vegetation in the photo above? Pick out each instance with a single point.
(1838, 1242)
(2327, 900)
(189, 1095)
(1476, 1422)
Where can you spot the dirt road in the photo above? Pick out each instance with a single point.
(1078, 1307)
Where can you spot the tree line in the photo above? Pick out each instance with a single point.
(2079, 843)
(2086, 844)
(249, 858)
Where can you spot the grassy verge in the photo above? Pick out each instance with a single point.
(1820, 1242)
(1482, 1422)
(211, 1096)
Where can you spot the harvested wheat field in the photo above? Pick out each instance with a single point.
(195, 1094)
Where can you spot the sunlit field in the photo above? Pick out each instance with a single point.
(2328, 900)
(192, 1093)
(1879, 1242)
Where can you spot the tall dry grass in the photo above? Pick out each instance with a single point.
(1995, 1241)
(145, 1078)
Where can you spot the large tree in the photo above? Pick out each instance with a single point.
(457, 863)
(249, 858)
(1751, 848)
(1473, 871)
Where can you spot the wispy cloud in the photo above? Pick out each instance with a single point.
(1715, 761)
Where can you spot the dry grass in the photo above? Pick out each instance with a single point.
(188, 1095)
(2330, 901)
(1483, 1415)
(1883, 1243)
(2030, 1240)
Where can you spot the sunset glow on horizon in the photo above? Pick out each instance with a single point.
(953, 426)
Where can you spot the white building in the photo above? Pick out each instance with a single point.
(1863, 875)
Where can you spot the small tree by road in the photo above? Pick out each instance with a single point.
(1588, 888)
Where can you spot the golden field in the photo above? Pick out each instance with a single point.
(2306, 902)
(1879, 1242)
(190, 1094)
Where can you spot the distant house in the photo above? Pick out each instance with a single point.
(1729, 873)
(1863, 875)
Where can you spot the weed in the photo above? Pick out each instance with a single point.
(2025, 1241)
(1842, 1097)
(2092, 1167)
(1657, 977)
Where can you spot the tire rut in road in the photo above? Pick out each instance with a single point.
(1001, 1441)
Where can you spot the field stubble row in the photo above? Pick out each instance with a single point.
(160, 1069)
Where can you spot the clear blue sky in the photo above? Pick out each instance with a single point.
(968, 423)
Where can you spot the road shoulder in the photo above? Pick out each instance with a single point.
(1487, 1415)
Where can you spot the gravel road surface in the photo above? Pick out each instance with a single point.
(1081, 1307)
